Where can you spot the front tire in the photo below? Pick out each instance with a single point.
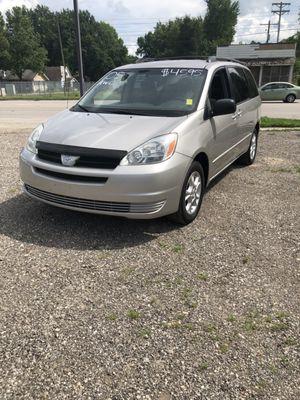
(290, 98)
(191, 195)
(249, 157)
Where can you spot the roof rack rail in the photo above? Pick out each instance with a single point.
(228, 59)
(208, 59)
(150, 59)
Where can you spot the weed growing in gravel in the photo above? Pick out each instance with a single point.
(112, 316)
(298, 170)
(283, 170)
(178, 248)
(210, 328)
(203, 366)
(231, 318)
(145, 333)
(178, 325)
(245, 260)
(187, 298)
(290, 342)
(133, 314)
(202, 276)
(224, 347)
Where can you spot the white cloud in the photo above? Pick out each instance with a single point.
(6, 4)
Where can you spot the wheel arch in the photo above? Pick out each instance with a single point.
(202, 158)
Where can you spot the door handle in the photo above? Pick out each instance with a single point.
(237, 114)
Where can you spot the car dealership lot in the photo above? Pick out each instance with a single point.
(107, 308)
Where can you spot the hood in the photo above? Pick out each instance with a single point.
(105, 131)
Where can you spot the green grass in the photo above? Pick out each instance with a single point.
(267, 122)
(133, 314)
(37, 97)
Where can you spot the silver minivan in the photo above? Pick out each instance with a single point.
(146, 139)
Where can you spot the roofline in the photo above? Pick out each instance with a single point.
(209, 59)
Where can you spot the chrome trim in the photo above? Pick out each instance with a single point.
(231, 148)
(93, 205)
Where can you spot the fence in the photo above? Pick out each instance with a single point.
(40, 88)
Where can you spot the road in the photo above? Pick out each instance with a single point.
(24, 115)
(278, 109)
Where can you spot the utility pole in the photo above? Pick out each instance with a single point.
(62, 54)
(268, 31)
(78, 47)
(280, 10)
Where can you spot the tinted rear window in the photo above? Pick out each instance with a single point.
(239, 84)
(253, 92)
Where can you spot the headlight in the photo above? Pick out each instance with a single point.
(33, 138)
(154, 151)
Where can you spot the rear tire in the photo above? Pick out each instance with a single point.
(191, 195)
(249, 157)
(290, 98)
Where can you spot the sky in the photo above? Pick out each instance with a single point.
(133, 18)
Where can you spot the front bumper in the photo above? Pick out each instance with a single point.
(141, 192)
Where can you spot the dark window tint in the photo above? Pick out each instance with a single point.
(239, 84)
(219, 88)
(253, 92)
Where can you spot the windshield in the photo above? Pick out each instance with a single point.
(167, 91)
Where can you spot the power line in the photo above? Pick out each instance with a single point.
(280, 10)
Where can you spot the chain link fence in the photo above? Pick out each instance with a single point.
(9, 88)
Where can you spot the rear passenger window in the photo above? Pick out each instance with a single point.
(253, 92)
(239, 83)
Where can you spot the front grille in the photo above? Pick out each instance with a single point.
(71, 177)
(89, 157)
(94, 205)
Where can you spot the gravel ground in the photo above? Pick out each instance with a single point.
(100, 308)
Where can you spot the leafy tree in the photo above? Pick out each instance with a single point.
(45, 24)
(25, 49)
(220, 21)
(102, 49)
(192, 36)
(4, 46)
(182, 36)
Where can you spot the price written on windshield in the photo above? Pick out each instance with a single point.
(181, 71)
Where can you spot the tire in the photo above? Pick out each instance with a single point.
(195, 182)
(249, 157)
(290, 98)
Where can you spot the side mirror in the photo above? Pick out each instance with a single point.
(224, 107)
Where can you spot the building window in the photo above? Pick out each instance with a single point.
(276, 73)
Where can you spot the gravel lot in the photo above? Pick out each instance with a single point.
(100, 308)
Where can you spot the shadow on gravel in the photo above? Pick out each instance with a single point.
(33, 222)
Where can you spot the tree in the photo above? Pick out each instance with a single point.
(102, 49)
(220, 21)
(25, 49)
(4, 45)
(183, 36)
(189, 36)
(45, 24)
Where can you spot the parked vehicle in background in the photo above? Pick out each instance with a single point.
(146, 140)
(284, 91)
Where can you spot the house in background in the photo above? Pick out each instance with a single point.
(272, 62)
(52, 80)
(59, 74)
